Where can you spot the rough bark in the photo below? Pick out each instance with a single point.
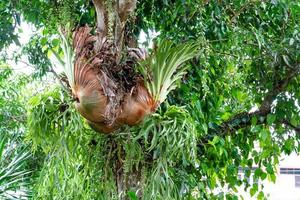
(102, 97)
(123, 9)
(101, 17)
(124, 181)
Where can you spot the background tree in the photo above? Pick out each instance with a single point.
(241, 91)
(15, 165)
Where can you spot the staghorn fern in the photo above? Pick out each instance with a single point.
(69, 56)
(164, 67)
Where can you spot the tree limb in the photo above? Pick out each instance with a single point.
(57, 57)
(295, 128)
(123, 8)
(243, 120)
(243, 8)
(102, 22)
(59, 79)
(101, 17)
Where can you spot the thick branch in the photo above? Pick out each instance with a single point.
(101, 17)
(289, 124)
(123, 8)
(243, 120)
(244, 7)
(278, 88)
(61, 62)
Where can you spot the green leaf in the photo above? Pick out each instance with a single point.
(132, 195)
(215, 140)
(44, 41)
(165, 67)
(257, 172)
(264, 134)
(294, 121)
(260, 196)
(271, 118)
(273, 178)
(263, 175)
(55, 42)
(253, 190)
(254, 120)
(270, 169)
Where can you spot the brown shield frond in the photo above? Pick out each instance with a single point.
(108, 94)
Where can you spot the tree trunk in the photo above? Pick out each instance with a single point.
(125, 181)
(97, 64)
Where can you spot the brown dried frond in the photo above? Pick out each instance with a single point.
(108, 93)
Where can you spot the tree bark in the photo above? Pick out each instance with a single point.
(123, 8)
(121, 11)
(101, 17)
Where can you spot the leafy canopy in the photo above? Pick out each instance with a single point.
(242, 91)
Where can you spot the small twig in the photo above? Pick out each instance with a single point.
(19, 118)
(227, 54)
(59, 79)
(245, 6)
(57, 57)
(219, 40)
(287, 123)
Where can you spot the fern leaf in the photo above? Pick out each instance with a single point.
(165, 66)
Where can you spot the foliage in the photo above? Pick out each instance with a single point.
(243, 61)
(163, 68)
(170, 138)
(58, 132)
(68, 54)
(240, 93)
(9, 19)
(14, 154)
(12, 109)
(37, 56)
(85, 170)
(14, 177)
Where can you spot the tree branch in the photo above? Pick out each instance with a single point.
(243, 8)
(123, 8)
(57, 57)
(287, 123)
(279, 87)
(102, 23)
(101, 17)
(243, 120)
(59, 79)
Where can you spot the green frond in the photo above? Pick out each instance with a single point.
(69, 56)
(165, 66)
(170, 139)
(174, 142)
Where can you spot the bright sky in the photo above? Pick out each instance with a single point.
(25, 31)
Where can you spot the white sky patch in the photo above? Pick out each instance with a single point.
(146, 40)
(24, 31)
(253, 109)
